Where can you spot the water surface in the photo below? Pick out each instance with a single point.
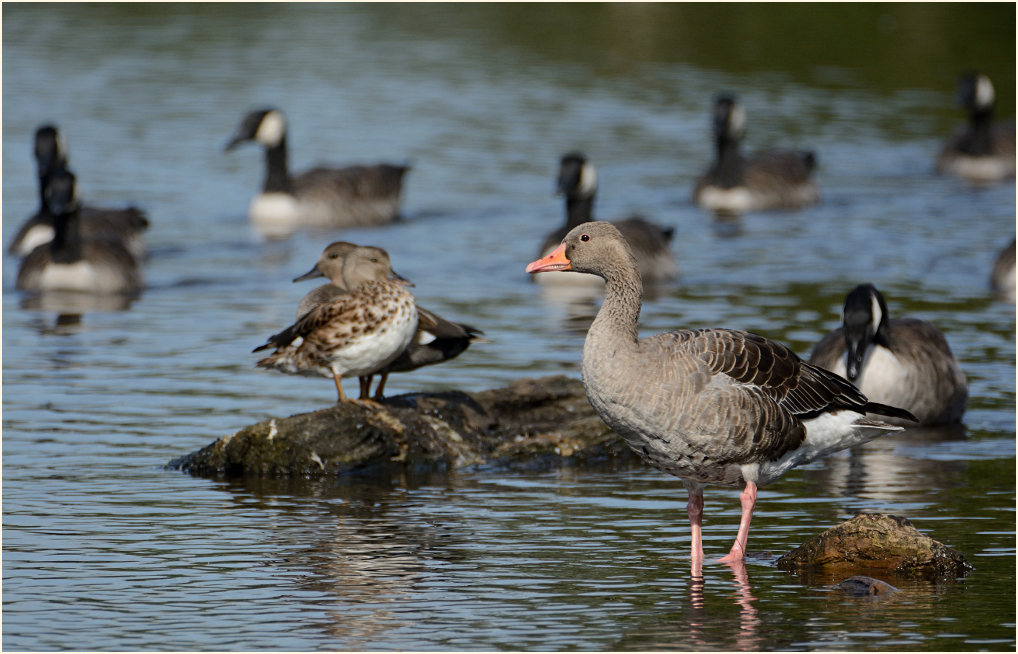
(105, 549)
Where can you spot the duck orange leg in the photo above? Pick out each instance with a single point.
(339, 386)
(748, 500)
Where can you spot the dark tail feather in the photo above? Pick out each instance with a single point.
(890, 411)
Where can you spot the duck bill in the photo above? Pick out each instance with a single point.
(311, 274)
(556, 260)
(399, 279)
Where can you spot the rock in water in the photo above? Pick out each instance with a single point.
(876, 541)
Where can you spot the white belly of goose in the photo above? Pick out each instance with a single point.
(80, 276)
(737, 199)
(275, 214)
(981, 169)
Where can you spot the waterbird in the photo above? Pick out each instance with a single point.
(984, 150)
(436, 339)
(71, 261)
(736, 183)
(354, 334)
(354, 196)
(710, 406)
(651, 244)
(904, 362)
(126, 225)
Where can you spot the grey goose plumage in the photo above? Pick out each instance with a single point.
(711, 406)
(71, 261)
(984, 151)
(353, 196)
(737, 183)
(651, 244)
(905, 362)
(436, 339)
(126, 225)
(354, 334)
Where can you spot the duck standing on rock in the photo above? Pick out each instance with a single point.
(354, 334)
(711, 406)
(354, 196)
(436, 339)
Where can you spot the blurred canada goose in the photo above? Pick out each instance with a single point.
(356, 333)
(984, 151)
(577, 181)
(436, 339)
(736, 183)
(354, 196)
(71, 262)
(904, 362)
(124, 225)
(711, 406)
(1002, 279)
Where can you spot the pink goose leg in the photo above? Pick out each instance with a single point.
(694, 507)
(748, 500)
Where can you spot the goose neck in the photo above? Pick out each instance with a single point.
(579, 210)
(620, 311)
(66, 244)
(277, 176)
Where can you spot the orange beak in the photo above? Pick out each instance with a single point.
(556, 260)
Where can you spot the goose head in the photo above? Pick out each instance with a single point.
(368, 263)
(729, 119)
(864, 323)
(596, 247)
(61, 193)
(577, 177)
(330, 264)
(49, 151)
(265, 126)
(975, 93)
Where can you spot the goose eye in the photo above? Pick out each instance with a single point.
(584, 237)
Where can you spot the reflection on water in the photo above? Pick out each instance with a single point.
(70, 306)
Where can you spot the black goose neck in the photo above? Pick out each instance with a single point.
(277, 176)
(579, 210)
(728, 167)
(66, 244)
(978, 139)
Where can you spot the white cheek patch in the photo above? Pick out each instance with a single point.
(272, 129)
(877, 314)
(737, 121)
(588, 179)
(984, 92)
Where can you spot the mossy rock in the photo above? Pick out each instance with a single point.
(876, 542)
(530, 423)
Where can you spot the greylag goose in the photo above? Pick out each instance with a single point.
(357, 333)
(125, 225)
(711, 406)
(355, 196)
(436, 339)
(1002, 278)
(983, 151)
(736, 183)
(577, 181)
(904, 362)
(70, 261)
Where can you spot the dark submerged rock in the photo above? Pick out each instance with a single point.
(531, 423)
(872, 541)
(861, 585)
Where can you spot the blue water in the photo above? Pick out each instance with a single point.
(105, 549)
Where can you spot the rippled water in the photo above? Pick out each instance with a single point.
(104, 549)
